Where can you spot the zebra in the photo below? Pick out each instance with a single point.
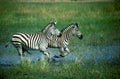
(38, 41)
(62, 41)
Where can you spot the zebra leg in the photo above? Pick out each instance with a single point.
(67, 50)
(20, 52)
(62, 53)
(47, 53)
(25, 50)
(28, 52)
(7, 44)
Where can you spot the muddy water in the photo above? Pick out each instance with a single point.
(9, 55)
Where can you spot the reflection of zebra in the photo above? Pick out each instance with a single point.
(61, 41)
(38, 41)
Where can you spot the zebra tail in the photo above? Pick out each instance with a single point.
(7, 44)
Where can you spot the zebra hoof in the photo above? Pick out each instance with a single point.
(62, 56)
(56, 56)
(55, 60)
(38, 59)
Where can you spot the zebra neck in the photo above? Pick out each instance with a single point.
(49, 35)
(67, 35)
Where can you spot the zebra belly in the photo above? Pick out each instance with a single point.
(32, 46)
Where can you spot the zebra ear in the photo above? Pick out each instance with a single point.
(77, 24)
(55, 22)
(73, 26)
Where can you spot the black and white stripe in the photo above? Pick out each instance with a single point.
(62, 40)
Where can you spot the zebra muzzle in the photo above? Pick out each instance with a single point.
(80, 36)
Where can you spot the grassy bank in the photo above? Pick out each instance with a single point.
(76, 70)
(99, 21)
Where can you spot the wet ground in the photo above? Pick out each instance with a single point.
(9, 55)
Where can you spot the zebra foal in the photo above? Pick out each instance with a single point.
(62, 41)
(38, 41)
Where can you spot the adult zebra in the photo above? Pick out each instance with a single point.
(61, 41)
(38, 41)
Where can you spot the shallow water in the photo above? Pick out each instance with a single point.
(9, 56)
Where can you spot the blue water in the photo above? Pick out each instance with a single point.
(93, 54)
(101, 53)
(9, 56)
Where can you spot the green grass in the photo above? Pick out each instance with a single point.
(44, 70)
(99, 21)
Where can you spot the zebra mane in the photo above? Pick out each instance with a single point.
(49, 25)
(68, 27)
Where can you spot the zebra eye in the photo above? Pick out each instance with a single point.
(76, 29)
(73, 26)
